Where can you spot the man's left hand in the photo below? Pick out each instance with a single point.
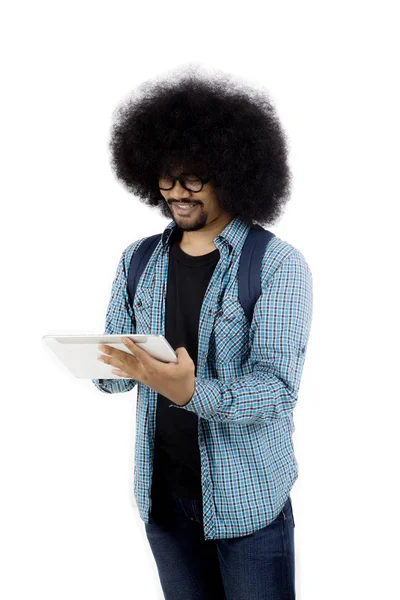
(174, 380)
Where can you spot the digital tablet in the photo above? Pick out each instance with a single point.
(79, 353)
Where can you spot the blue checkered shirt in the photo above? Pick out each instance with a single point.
(245, 388)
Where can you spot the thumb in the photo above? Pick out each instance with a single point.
(181, 352)
(184, 359)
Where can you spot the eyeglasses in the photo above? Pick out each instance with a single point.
(192, 183)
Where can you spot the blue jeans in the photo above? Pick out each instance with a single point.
(259, 566)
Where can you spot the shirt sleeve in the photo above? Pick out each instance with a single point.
(119, 319)
(282, 321)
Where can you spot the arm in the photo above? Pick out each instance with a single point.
(282, 321)
(119, 319)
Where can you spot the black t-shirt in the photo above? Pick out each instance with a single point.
(177, 467)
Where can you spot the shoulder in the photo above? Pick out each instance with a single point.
(128, 252)
(280, 254)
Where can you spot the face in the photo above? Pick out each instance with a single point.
(203, 207)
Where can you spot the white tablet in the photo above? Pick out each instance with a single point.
(79, 352)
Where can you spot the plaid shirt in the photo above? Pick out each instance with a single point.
(247, 379)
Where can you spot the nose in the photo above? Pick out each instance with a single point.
(178, 188)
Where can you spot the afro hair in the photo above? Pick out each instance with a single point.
(208, 125)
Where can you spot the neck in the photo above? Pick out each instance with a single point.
(203, 238)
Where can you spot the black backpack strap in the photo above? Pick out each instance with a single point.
(138, 262)
(249, 274)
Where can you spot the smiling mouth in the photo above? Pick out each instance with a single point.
(184, 207)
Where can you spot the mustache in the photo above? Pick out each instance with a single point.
(171, 202)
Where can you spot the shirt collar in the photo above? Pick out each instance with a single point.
(234, 234)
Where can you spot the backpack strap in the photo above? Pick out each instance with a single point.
(249, 275)
(139, 260)
(249, 266)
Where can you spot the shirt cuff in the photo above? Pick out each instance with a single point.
(206, 398)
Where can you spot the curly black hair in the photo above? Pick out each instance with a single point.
(208, 125)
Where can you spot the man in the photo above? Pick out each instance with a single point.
(214, 461)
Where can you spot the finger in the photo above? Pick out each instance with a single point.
(120, 373)
(138, 352)
(108, 350)
(113, 361)
(113, 352)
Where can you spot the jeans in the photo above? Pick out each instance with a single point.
(259, 566)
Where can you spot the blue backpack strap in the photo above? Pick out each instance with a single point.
(249, 274)
(139, 260)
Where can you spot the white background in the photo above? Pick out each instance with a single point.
(68, 521)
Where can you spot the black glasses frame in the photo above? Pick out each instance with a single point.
(180, 179)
